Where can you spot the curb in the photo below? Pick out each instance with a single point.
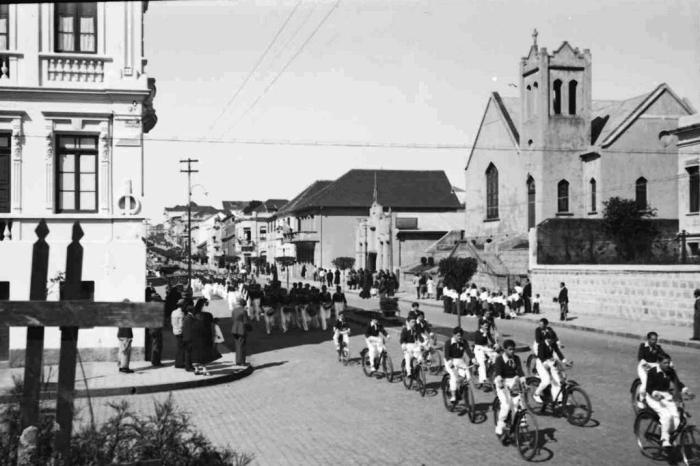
(671, 342)
(144, 389)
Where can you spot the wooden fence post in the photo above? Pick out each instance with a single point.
(34, 351)
(69, 346)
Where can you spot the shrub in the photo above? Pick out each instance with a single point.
(629, 228)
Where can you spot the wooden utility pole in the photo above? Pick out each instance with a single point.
(189, 172)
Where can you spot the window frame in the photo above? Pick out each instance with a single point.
(77, 152)
(6, 15)
(693, 189)
(593, 187)
(556, 97)
(6, 151)
(563, 199)
(79, 8)
(491, 192)
(573, 88)
(638, 184)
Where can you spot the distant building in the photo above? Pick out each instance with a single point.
(688, 137)
(246, 235)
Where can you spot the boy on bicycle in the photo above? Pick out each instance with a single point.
(659, 398)
(341, 333)
(507, 372)
(483, 348)
(457, 358)
(424, 329)
(549, 357)
(542, 331)
(649, 355)
(374, 338)
(411, 341)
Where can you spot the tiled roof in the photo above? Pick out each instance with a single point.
(232, 206)
(300, 200)
(200, 209)
(398, 189)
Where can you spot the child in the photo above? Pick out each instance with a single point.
(341, 331)
(536, 304)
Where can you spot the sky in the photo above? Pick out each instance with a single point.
(362, 77)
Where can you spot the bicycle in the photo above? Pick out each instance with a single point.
(571, 401)
(433, 359)
(384, 362)
(417, 375)
(647, 431)
(521, 427)
(343, 352)
(464, 393)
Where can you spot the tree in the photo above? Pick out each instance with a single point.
(286, 262)
(343, 264)
(629, 227)
(456, 272)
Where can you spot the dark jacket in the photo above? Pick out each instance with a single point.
(239, 320)
(563, 295)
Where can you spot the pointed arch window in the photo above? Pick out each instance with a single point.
(572, 97)
(491, 192)
(640, 193)
(563, 196)
(593, 187)
(528, 102)
(530, 202)
(556, 102)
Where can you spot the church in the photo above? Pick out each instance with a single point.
(555, 152)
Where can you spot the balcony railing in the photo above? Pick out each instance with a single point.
(8, 67)
(70, 69)
(6, 229)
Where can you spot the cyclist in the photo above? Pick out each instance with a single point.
(411, 341)
(488, 319)
(326, 306)
(483, 348)
(457, 358)
(649, 354)
(659, 398)
(339, 301)
(507, 372)
(541, 332)
(548, 368)
(341, 333)
(424, 329)
(374, 338)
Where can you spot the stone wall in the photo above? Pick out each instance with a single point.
(662, 294)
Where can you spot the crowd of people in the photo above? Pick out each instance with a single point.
(474, 300)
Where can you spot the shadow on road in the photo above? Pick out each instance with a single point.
(269, 364)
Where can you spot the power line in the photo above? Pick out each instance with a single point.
(286, 65)
(257, 64)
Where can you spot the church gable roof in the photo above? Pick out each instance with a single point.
(301, 199)
(509, 110)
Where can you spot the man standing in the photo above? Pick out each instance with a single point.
(125, 336)
(239, 329)
(696, 322)
(156, 334)
(176, 320)
(563, 301)
(527, 296)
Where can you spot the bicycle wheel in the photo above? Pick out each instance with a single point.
(577, 406)
(419, 372)
(648, 433)
(469, 402)
(407, 381)
(445, 386)
(388, 367)
(634, 395)
(690, 446)
(531, 365)
(366, 365)
(527, 434)
(437, 364)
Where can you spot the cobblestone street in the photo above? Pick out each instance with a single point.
(301, 406)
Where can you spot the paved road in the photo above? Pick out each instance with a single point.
(301, 407)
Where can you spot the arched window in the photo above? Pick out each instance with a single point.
(563, 196)
(535, 97)
(593, 194)
(528, 102)
(572, 97)
(641, 193)
(530, 202)
(491, 192)
(556, 87)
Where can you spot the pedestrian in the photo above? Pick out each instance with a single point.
(330, 277)
(696, 321)
(527, 296)
(125, 336)
(303, 271)
(187, 335)
(156, 334)
(563, 301)
(336, 279)
(239, 329)
(416, 285)
(202, 337)
(176, 321)
(536, 304)
(430, 287)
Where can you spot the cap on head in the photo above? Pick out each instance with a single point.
(457, 331)
(411, 316)
(508, 344)
(544, 321)
(415, 305)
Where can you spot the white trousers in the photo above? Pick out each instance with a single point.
(338, 337)
(375, 346)
(480, 354)
(339, 307)
(325, 316)
(269, 315)
(458, 370)
(411, 350)
(508, 402)
(548, 373)
(668, 416)
(642, 374)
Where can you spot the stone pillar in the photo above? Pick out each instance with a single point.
(16, 196)
(49, 170)
(105, 176)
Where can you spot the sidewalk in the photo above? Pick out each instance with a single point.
(668, 334)
(104, 379)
